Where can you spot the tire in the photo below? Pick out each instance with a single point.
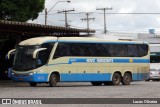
(96, 83)
(33, 84)
(116, 79)
(53, 80)
(126, 79)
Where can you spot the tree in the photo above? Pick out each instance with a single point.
(20, 10)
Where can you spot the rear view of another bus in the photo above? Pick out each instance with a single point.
(154, 73)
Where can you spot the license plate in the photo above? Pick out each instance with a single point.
(21, 79)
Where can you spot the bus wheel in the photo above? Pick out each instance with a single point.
(33, 84)
(96, 83)
(116, 79)
(126, 79)
(53, 80)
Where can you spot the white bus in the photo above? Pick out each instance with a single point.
(155, 56)
(80, 59)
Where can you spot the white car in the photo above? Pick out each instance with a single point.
(153, 74)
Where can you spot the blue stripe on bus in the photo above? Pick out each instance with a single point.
(139, 76)
(107, 60)
(31, 78)
(84, 77)
(50, 41)
(84, 60)
(88, 77)
(64, 41)
(76, 77)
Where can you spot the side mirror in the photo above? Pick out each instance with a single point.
(10, 52)
(36, 51)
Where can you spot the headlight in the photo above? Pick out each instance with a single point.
(12, 73)
(32, 73)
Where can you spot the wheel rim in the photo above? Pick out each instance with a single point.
(54, 80)
(126, 80)
(116, 80)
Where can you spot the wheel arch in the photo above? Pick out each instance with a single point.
(118, 73)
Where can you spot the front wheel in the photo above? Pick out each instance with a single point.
(53, 80)
(126, 79)
(33, 84)
(116, 79)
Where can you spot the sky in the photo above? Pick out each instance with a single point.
(115, 22)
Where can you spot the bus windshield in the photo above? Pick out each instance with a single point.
(24, 58)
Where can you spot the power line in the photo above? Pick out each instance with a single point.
(132, 13)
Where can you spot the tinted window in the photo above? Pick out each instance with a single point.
(132, 51)
(120, 50)
(100, 50)
(143, 50)
(44, 54)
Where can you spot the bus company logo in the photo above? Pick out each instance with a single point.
(131, 60)
(6, 101)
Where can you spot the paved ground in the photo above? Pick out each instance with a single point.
(141, 89)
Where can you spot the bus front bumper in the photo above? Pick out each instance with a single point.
(30, 78)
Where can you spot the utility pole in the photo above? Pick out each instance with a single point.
(87, 19)
(47, 11)
(66, 11)
(104, 9)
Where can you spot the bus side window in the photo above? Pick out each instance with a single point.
(120, 50)
(111, 49)
(59, 51)
(143, 50)
(103, 50)
(132, 51)
(63, 49)
(42, 58)
(44, 55)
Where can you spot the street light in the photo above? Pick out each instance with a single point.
(46, 12)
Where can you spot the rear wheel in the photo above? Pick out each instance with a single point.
(53, 80)
(33, 84)
(126, 79)
(116, 79)
(96, 83)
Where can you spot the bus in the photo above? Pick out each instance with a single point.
(80, 59)
(5, 45)
(155, 56)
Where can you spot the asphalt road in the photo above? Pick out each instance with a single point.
(9, 89)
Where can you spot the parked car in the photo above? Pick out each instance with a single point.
(153, 74)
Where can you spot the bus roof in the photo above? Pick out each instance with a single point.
(41, 40)
(38, 40)
(93, 39)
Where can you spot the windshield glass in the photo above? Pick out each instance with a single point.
(24, 58)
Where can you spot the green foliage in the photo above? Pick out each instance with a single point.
(20, 10)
